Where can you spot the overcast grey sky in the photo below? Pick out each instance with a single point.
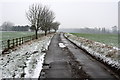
(70, 13)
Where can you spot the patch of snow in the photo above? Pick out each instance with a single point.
(38, 67)
(107, 54)
(37, 70)
(26, 59)
(116, 48)
(61, 45)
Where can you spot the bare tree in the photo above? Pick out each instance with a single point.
(55, 26)
(7, 26)
(33, 17)
(40, 17)
(47, 20)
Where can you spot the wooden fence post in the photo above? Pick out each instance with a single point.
(8, 43)
(19, 41)
(13, 43)
(16, 41)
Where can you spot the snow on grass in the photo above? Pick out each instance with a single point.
(106, 53)
(38, 68)
(26, 59)
(61, 45)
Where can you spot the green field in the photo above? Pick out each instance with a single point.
(109, 39)
(11, 35)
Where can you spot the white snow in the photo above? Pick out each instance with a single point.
(107, 54)
(38, 67)
(61, 45)
(37, 70)
(28, 56)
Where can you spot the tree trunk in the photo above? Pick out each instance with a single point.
(45, 33)
(36, 34)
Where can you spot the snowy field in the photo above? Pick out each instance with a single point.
(26, 61)
(106, 53)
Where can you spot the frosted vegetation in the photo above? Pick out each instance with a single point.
(106, 53)
(109, 39)
(26, 60)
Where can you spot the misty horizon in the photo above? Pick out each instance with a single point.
(71, 14)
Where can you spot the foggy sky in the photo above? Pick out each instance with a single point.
(70, 13)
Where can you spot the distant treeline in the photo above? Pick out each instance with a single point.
(16, 28)
(20, 28)
(91, 30)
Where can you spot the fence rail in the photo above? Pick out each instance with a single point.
(11, 43)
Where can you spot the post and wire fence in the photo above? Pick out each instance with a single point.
(11, 43)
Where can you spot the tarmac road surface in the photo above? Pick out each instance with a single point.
(71, 62)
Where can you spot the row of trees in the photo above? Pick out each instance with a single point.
(41, 18)
(95, 30)
(103, 30)
(20, 28)
(113, 30)
(9, 26)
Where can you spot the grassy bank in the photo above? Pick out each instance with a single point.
(109, 39)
